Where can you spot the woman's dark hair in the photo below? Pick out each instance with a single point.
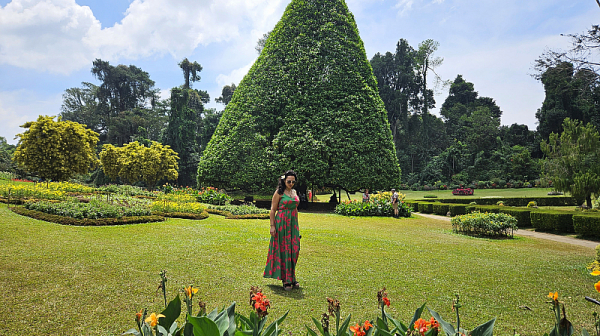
(281, 184)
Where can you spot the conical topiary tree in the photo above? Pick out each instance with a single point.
(309, 103)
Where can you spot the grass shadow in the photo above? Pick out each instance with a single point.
(297, 294)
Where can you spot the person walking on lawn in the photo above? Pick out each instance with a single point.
(285, 234)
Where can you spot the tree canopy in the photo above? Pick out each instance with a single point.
(310, 102)
(137, 163)
(573, 160)
(56, 150)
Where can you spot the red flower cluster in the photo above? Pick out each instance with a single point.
(21, 180)
(360, 330)
(259, 302)
(382, 298)
(422, 326)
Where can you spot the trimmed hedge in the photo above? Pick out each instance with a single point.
(587, 225)
(183, 215)
(457, 209)
(425, 207)
(561, 221)
(440, 209)
(523, 216)
(229, 215)
(85, 221)
(512, 201)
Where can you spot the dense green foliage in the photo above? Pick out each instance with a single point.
(56, 150)
(245, 209)
(559, 221)
(573, 161)
(358, 208)
(123, 106)
(135, 162)
(309, 102)
(92, 210)
(587, 225)
(485, 224)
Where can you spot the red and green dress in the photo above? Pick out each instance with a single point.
(284, 247)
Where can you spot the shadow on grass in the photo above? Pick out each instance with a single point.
(297, 294)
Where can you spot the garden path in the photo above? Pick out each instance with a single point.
(527, 233)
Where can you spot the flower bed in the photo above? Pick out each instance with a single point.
(373, 208)
(239, 211)
(185, 207)
(85, 221)
(93, 210)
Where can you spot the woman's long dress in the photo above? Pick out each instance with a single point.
(284, 247)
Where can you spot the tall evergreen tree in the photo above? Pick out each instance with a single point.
(310, 102)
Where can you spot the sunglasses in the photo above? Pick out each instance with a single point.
(290, 181)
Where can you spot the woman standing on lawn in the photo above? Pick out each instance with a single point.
(285, 235)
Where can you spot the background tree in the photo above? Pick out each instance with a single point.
(226, 94)
(6, 156)
(191, 72)
(426, 63)
(124, 101)
(573, 160)
(262, 41)
(137, 163)
(56, 150)
(310, 102)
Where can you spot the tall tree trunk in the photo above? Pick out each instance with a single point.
(588, 201)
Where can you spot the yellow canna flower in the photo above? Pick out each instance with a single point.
(190, 291)
(153, 319)
(553, 296)
(594, 273)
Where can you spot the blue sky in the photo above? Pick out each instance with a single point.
(47, 46)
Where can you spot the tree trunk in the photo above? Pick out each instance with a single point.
(588, 201)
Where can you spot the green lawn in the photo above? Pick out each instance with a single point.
(521, 192)
(61, 280)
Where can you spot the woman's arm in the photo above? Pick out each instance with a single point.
(274, 206)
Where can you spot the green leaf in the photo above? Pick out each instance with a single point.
(132, 331)
(213, 314)
(344, 326)
(447, 327)
(222, 323)
(399, 325)
(584, 332)
(319, 326)
(171, 313)
(231, 314)
(485, 329)
(275, 325)
(382, 326)
(162, 331)
(310, 331)
(203, 326)
(417, 315)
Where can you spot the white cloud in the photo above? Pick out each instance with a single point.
(404, 6)
(234, 76)
(61, 36)
(18, 107)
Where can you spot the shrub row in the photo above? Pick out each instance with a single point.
(229, 215)
(93, 210)
(85, 221)
(561, 221)
(511, 201)
(183, 215)
(521, 214)
(587, 224)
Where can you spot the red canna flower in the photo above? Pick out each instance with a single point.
(386, 301)
(367, 325)
(421, 326)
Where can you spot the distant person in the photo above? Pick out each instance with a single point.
(366, 196)
(285, 234)
(394, 200)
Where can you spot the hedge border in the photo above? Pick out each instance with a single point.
(560, 221)
(85, 221)
(183, 215)
(229, 215)
(587, 225)
(510, 201)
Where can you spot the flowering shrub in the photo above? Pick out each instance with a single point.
(125, 189)
(375, 207)
(186, 207)
(179, 198)
(532, 204)
(92, 210)
(69, 187)
(484, 224)
(29, 191)
(212, 195)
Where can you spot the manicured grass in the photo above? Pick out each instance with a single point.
(61, 280)
(521, 192)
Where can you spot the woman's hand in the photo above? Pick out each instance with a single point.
(273, 231)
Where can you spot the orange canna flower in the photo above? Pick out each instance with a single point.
(597, 286)
(138, 316)
(553, 296)
(357, 330)
(153, 319)
(595, 273)
(190, 291)
(386, 301)
(433, 323)
(367, 325)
